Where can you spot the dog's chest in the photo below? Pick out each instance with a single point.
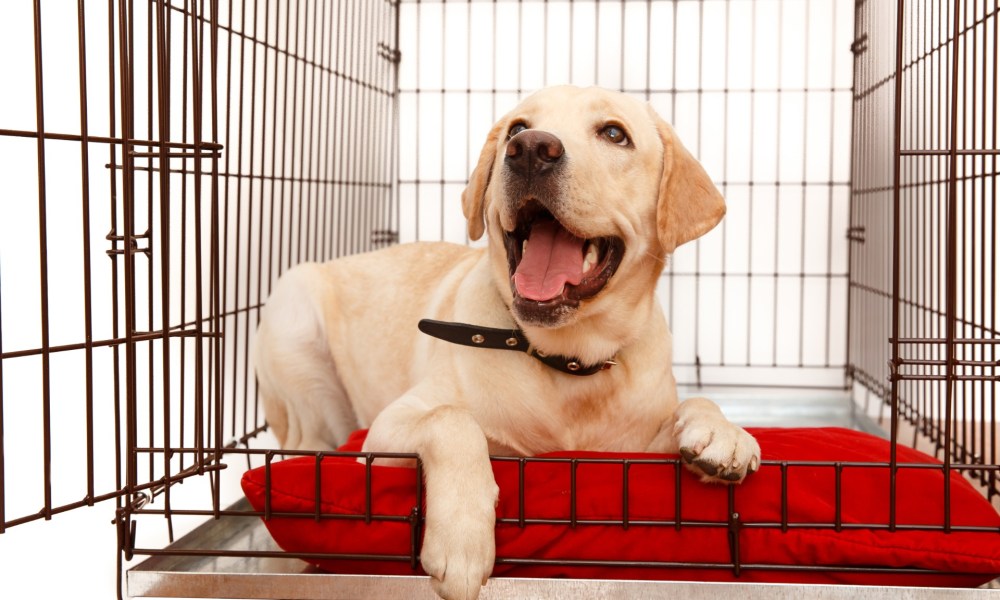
(556, 421)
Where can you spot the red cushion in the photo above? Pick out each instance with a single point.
(699, 549)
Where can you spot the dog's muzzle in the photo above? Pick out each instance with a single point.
(552, 267)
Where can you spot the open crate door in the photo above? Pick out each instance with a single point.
(111, 296)
(276, 134)
(175, 158)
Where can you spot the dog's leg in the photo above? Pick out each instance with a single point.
(708, 442)
(295, 369)
(459, 545)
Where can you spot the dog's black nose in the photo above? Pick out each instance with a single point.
(533, 152)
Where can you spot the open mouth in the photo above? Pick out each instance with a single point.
(550, 266)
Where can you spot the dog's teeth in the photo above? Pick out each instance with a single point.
(590, 259)
(524, 246)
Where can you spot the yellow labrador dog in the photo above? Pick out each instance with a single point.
(550, 338)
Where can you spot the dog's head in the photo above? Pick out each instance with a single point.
(584, 192)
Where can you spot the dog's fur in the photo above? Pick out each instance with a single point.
(338, 347)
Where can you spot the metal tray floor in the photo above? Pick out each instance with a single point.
(292, 579)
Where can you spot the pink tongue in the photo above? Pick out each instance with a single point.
(552, 258)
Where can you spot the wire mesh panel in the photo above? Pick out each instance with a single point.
(923, 268)
(63, 339)
(159, 180)
(758, 91)
(166, 165)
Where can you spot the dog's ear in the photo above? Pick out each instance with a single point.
(689, 204)
(474, 196)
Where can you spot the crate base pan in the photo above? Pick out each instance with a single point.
(172, 576)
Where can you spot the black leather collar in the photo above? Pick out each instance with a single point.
(505, 339)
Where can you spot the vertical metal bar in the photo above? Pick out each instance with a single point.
(916, 244)
(443, 115)
(256, 422)
(626, 465)
(199, 338)
(215, 282)
(784, 496)
(353, 131)
(673, 119)
(323, 141)
(148, 234)
(310, 180)
(3, 480)
(395, 165)
(974, 315)
(268, 457)
(930, 170)
(163, 108)
(777, 188)
(320, 144)
(329, 231)
(43, 266)
(340, 199)
(384, 150)
(369, 458)
(318, 485)
(238, 200)
(734, 530)
(520, 492)
(750, 170)
(986, 429)
(993, 253)
(272, 261)
(951, 309)
(113, 188)
(126, 53)
(802, 200)
(183, 292)
(896, 299)
(677, 494)
(572, 492)
(416, 516)
(87, 295)
(283, 147)
(725, 176)
(295, 183)
(697, 243)
(962, 419)
(829, 212)
(369, 131)
(838, 470)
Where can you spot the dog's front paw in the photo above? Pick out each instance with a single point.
(459, 549)
(712, 446)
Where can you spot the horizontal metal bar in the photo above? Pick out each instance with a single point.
(963, 152)
(46, 513)
(642, 91)
(98, 139)
(945, 341)
(136, 337)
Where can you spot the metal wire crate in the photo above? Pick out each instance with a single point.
(176, 156)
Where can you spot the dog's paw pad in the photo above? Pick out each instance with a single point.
(707, 467)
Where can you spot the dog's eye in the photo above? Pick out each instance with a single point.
(615, 134)
(515, 129)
